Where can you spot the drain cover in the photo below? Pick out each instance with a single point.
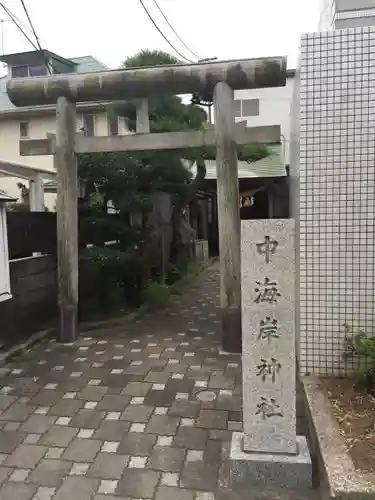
(206, 396)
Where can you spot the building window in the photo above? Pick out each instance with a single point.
(88, 124)
(250, 107)
(237, 108)
(26, 70)
(24, 130)
(113, 125)
(20, 71)
(40, 70)
(246, 107)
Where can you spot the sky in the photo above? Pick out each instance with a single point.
(112, 30)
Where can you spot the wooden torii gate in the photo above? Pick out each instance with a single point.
(221, 77)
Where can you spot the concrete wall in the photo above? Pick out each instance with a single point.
(274, 108)
(38, 127)
(334, 179)
(34, 298)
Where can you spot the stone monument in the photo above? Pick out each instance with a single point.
(269, 452)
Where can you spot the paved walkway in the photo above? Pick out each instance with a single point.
(116, 415)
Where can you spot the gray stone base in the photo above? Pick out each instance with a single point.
(281, 471)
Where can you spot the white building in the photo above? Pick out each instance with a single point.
(341, 14)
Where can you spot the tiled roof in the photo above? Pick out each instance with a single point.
(272, 166)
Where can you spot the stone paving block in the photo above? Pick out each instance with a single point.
(82, 450)
(205, 495)
(26, 456)
(185, 385)
(11, 426)
(19, 475)
(112, 402)
(220, 381)
(111, 497)
(111, 430)
(175, 368)
(184, 408)
(170, 479)
(88, 419)
(54, 452)
(13, 491)
(4, 473)
(37, 424)
(213, 419)
(115, 383)
(163, 424)
(49, 472)
(166, 458)
(46, 398)
(77, 488)
(58, 436)
(157, 377)
(6, 401)
(212, 453)
(138, 370)
(44, 493)
(137, 444)
(191, 438)
(137, 413)
(200, 476)
(220, 435)
(136, 389)
(232, 403)
(108, 466)
(9, 441)
(170, 493)
(17, 412)
(90, 393)
(160, 398)
(66, 407)
(138, 483)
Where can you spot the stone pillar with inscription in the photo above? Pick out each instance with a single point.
(269, 451)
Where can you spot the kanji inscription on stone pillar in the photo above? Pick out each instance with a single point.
(268, 356)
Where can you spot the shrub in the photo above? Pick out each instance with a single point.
(362, 346)
(156, 294)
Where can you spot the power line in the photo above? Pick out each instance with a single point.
(14, 20)
(35, 35)
(21, 23)
(174, 31)
(162, 34)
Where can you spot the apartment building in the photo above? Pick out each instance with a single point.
(341, 14)
(35, 122)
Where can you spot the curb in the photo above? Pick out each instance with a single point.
(339, 478)
(6, 356)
